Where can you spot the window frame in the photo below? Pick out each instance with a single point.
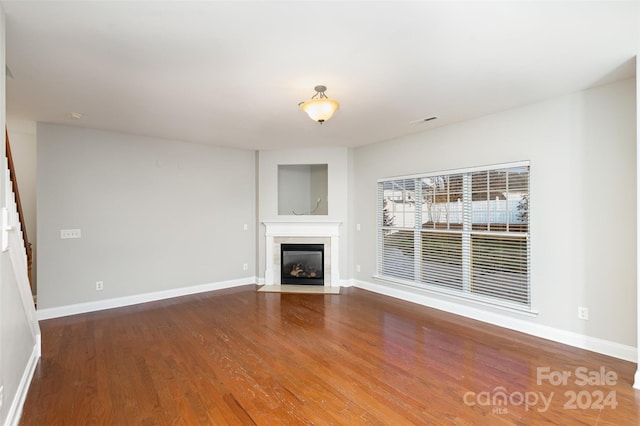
(516, 241)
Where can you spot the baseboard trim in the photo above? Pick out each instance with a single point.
(347, 283)
(606, 347)
(15, 410)
(81, 308)
(636, 380)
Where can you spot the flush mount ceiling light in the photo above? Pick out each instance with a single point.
(320, 108)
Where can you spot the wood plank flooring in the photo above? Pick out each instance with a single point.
(239, 357)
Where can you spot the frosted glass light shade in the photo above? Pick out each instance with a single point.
(320, 110)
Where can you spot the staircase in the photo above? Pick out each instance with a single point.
(15, 241)
(16, 270)
(16, 199)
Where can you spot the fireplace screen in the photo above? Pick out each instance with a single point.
(302, 264)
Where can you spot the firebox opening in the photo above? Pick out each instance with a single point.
(302, 264)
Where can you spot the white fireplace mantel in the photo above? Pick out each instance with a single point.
(323, 229)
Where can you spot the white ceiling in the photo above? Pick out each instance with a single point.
(231, 73)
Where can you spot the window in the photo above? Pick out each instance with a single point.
(465, 232)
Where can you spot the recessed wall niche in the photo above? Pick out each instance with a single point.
(303, 189)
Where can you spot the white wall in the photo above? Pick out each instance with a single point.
(581, 149)
(294, 182)
(18, 349)
(155, 215)
(318, 189)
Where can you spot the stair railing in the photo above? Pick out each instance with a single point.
(14, 185)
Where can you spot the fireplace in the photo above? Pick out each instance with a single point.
(326, 233)
(302, 264)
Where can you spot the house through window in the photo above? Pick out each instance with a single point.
(464, 232)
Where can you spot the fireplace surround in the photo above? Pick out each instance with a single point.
(321, 232)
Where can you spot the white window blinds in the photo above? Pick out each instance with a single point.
(465, 232)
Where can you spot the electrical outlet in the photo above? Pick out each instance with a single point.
(245, 227)
(70, 233)
(245, 266)
(99, 285)
(583, 313)
(357, 268)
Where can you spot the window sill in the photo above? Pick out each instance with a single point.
(477, 300)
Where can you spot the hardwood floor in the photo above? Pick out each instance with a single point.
(240, 357)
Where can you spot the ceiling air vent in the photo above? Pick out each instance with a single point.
(423, 120)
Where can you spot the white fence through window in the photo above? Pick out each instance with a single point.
(465, 232)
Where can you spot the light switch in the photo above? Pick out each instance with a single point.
(70, 233)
